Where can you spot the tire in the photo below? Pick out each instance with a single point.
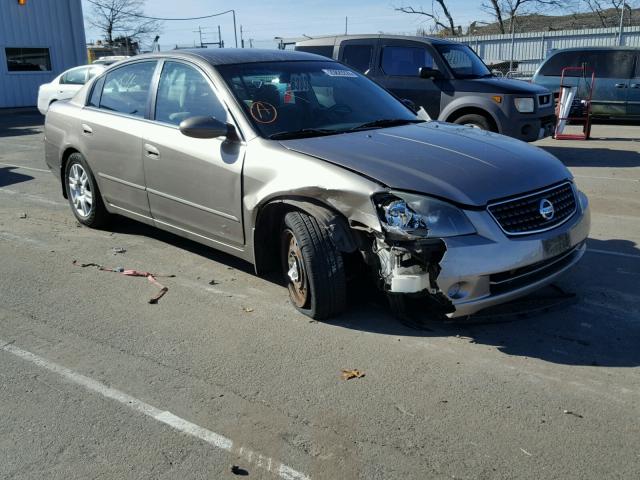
(313, 268)
(475, 121)
(83, 193)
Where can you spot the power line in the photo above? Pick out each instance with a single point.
(132, 14)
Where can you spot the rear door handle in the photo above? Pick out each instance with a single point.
(635, 85)
(86, 129)
(620, 85)
(151, 151)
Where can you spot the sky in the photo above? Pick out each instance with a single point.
(263, 20)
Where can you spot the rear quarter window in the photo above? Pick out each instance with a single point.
(357, 56)
(324, 50)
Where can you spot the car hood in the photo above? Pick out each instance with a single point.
(499, 85)
(465, 165)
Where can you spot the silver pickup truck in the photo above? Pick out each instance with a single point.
(445, 78)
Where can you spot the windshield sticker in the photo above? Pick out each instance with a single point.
(263, 112)
(299, 83)
(339, 73)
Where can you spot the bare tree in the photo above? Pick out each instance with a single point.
(602, 7)
(121, 18)
(434, 16)
(502, 10)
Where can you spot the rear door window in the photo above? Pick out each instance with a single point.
(357, 56)
(183, 92)
(126, 89)
(406, 61)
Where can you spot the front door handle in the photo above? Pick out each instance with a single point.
(151, 151)
(635, 85)
(86, 129)
(620, 85)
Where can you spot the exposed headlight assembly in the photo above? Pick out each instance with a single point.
(524, 105)
(410, 215)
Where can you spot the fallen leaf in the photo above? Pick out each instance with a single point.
(349, 374)
(248, 309)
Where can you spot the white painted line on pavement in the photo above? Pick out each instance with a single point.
(26, 168)
(609, 178)
(180, 424)
(35, 198)
(617, 254)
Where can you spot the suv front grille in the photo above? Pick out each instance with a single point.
(524, 215)
(544, 100)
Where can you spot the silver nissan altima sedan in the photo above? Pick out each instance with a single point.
(295, 162)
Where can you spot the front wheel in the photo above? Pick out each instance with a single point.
(476, 121)
(312, 266)
(83, 194)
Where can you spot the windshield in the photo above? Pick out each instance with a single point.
(463, 61)
(296, 99)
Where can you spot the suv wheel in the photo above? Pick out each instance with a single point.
(312, 266)
(475, 121)
(83, 194)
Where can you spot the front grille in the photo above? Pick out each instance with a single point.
(522, 215)
(544, 100)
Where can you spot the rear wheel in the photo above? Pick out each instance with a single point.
(312, 266)
(475, 121)
(83, 194)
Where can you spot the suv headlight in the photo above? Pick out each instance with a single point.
(524, 105)
(421, 216)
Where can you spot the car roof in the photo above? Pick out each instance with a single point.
(333, 39)
(229, 56)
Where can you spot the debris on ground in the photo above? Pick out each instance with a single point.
(569, 412)
(23, 215)
(349, 374)
(117, 250)
(525, 452)
(247, 309)
(213, 282)
(236, 470)
(151, 277)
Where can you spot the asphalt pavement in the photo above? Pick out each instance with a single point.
(224, 379)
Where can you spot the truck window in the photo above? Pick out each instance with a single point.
(357, 56)
(405, 61)
(324, 50)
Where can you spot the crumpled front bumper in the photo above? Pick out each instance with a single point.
(489, 268)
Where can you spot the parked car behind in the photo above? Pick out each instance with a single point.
(447, 79)
(66, 85)
(617, 86)
(109, 59)
(334, 173)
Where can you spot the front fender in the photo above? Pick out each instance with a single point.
(478, 103)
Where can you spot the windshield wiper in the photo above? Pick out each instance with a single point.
(385, 122)
(305, 132)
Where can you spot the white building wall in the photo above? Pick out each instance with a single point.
(54, 24)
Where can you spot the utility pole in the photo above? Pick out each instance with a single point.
(251, 43)
(199, 31)
(624, 5)
(241, 38)
(235, 32)
(346, 24)
(220, 42)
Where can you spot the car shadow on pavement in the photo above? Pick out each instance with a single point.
(595, 157)
(586, 332)
(17, 124)
(9, 177)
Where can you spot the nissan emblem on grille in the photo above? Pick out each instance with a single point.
(546, 209)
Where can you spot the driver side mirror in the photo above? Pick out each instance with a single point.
(207, 127)
(430, 73)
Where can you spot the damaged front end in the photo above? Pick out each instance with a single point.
(407, 254)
